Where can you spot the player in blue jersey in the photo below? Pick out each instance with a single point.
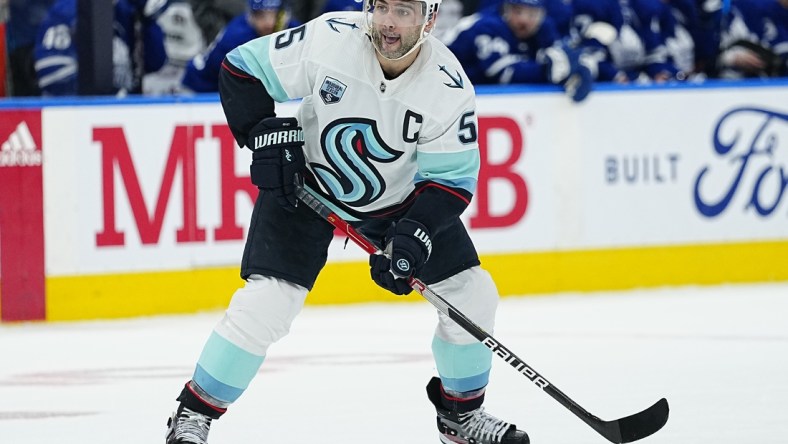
(777, 19)
(262, 18)
(56, 53)
(640, 50)
(595, 26)
(680, 23)
(561, 12)
(518, 44)
(386, 136)
(342, 5)
(754, 40)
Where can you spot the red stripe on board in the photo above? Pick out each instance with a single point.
(22, 295)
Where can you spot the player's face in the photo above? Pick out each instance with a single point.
(263, 21)
(524, 21)
(396, 26)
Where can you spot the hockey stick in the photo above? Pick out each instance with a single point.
(627, 429)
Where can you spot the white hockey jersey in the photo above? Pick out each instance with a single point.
(370, 140)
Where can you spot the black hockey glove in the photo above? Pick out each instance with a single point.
(409, 246)
(277, 146)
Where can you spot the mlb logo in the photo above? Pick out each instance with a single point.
(332, 90)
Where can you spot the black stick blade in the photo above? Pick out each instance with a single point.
(639, 425)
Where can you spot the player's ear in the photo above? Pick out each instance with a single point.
(431, 23)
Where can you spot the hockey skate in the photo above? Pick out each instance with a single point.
(472, 427)
(188, 427)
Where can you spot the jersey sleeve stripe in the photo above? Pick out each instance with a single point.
(253, 58)
(469, 185)
(235, 71)
(445, 188)
(455, 170)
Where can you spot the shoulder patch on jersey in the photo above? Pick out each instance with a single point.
(331, 90)
(335, 23)
(456, 79)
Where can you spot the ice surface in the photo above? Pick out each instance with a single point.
(356, 374)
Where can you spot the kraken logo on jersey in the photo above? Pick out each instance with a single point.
(350, 146)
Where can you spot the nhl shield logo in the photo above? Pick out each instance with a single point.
(332, 90)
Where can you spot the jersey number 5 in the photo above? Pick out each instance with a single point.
(467, 133)
(287, 38)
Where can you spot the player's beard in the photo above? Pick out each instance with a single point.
(406, 42)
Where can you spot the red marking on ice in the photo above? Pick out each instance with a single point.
(41, 415)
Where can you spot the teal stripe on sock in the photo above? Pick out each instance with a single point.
(466, 384)
(216, 389)
(462, 367)
(224, 367)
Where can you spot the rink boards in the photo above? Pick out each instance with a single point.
(143, 205)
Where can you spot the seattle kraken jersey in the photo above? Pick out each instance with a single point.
(202, 72)
(370, 140)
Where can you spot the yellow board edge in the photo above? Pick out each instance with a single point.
(177, 292)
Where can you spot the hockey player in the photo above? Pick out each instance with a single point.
(262, 18)
(680, 23)
(389, 141)
(595, 26)
(640, 49)
(777, 31)
(56, 53)
(755, 41)
(183, 40)
(518, 44)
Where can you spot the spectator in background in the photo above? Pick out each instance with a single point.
(324, 6)
(595, 25)
(182, 41)
(519, 44)
(640, 50)
(743, 50)
(561, 11)
(4, 77)
(680, 22)
(707, 36)
(56, 61)
(777, 19)
(262, 17)
(752, 44)
(341, 5)
(213, 15)
(24, 18)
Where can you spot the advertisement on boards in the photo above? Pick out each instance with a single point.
(165, 186)
(21, 217)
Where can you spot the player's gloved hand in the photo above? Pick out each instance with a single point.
(579, 84)
(277, 146)
(558, 63)
(408, 245)
(563, 67)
